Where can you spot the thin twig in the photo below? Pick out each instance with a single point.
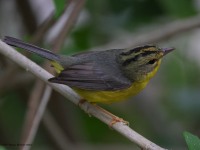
(29, 132)
(39, 114)
(56, 132)
(168, 30)
(33, 105)
(73, 15)
(42, 30)
(34, 99)
(158, 34)
(72, 96)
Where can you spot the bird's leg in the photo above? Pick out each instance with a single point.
(81, 101)
(114, 119)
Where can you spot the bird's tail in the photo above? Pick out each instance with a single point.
(31, 48)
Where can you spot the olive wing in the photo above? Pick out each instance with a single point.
(90, 77)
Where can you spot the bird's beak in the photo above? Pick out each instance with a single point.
(167, 50)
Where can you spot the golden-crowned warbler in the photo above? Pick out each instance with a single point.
(102, 76)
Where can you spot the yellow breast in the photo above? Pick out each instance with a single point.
(111, 96)
(115, 96)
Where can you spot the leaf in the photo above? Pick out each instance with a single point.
(193, 142)
(59, 6)
(2, 148)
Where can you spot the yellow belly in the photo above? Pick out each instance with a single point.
(115, 96)
(111, 96)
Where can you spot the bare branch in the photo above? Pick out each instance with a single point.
(166, 31)
(33, 116)
(73, 15)
(72, 96)
(160, 33)
(56, 132)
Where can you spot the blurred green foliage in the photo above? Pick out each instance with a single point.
(11, 115)
(2, 148)
(178, 8)
(59, 7)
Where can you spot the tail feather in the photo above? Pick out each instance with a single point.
(31, 48)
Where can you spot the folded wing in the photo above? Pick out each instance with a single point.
(90, 77)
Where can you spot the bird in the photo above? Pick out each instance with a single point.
(105, 76)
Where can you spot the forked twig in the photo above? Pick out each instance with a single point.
(33, 119)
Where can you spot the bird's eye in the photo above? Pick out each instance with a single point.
(152, 61)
